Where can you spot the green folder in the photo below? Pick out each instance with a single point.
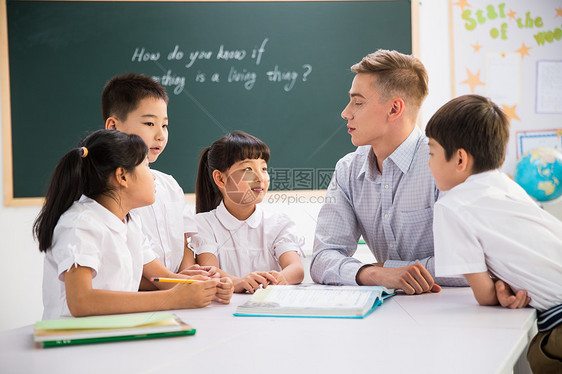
(100, 329)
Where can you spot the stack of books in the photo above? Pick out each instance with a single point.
(99, 329)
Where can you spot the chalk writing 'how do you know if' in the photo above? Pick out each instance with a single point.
(223, 53)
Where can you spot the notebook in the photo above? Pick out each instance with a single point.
(100, 329)
(314, 301)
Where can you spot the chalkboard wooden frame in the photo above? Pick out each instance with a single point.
(6, 103)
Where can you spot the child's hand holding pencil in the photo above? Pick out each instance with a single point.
(174, 280)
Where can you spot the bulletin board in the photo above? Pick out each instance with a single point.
(511, 52)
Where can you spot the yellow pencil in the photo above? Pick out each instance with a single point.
(174, 280)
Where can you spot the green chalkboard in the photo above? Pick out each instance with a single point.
(278, 70)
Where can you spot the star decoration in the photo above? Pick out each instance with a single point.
(524, 50)
(510, 112)
(473, 80)
(462, 4)
(476, 47)
(511, 14)
(558, 12)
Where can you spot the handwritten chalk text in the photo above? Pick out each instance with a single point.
(206, 66)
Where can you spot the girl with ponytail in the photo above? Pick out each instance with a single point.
(251, 246)
(95, 253)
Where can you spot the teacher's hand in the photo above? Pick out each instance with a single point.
(412, 279)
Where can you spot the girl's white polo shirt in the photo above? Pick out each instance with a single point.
(89, 235)
(242, 247)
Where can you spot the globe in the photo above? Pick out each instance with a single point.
(539, 172)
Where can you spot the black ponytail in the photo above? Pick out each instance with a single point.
(86, 171)
(221, 155)
(207, 195)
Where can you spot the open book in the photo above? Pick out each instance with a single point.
(99, 329)
(314, 301)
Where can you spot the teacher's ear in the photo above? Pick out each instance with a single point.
(397, 108)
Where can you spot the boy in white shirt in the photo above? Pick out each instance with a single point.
(487, 227)
(137, 104)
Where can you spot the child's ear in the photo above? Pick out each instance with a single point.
(219, 178)
(464, 160)
(121, 177)
(111, 123)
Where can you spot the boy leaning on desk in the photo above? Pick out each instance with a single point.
(487, 227)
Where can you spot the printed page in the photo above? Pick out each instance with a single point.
(314, 296)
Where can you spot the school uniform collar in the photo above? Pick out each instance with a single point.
(483, 175)
(232, 223)
(105, 216)
(157, 182)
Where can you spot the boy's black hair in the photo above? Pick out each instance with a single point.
(123, 93)
(475, 124)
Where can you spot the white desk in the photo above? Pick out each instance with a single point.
(431, 333)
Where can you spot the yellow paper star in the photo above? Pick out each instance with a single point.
(511, 14)
(473, 80)
(476, 47)
(510, 112)
(558, 12)
(462, 4)
(524, 50)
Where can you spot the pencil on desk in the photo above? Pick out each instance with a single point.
(173, 280)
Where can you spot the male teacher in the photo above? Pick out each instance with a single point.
(384, 190)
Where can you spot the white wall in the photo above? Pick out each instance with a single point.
(21, 267)
(435, 55)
